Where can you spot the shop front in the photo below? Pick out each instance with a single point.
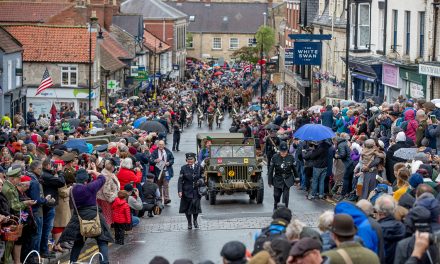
(15, 101)
(366, 78)
(78, 98)
(432, 69)
(390, 81)
(413, 83)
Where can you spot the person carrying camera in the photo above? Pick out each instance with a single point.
(190, 179)
(52, 178)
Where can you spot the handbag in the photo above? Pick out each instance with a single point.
(88, 228)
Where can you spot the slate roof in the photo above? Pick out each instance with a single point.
(244, 18)
(54, 43)
(151, 9)
(326, 20)
(29, 12)
(131, 23)
(7, 43)
(152, 43)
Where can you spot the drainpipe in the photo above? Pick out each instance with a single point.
(347, 49)
(434, 47)
(385, 22)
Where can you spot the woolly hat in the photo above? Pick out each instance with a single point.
(415, 180)
(400, 137)
(81, 176)
(132, 150)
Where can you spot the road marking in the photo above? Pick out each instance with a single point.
(88, 253)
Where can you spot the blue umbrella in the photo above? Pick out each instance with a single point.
(314, 132)
(139, 121)
(254, 107)
(77, 144)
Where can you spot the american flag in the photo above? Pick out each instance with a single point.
(46, 82)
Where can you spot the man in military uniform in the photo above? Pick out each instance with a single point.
(282, 175)
(69, 170)
(190, 179)
(271, 146)
(151, 194)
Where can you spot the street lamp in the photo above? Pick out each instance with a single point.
(93, 19)
(261, 69)
(154, 71)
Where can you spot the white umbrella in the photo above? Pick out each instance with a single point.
(315, 109)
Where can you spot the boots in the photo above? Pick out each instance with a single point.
(196, 225)
(188, 218)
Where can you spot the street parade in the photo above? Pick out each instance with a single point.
(128, 150)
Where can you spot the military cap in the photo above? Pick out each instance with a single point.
(13, 173)
(190, 155)
(58, 152)
(283, 146)
(68, 157)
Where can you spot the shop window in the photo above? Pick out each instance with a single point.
(69, 75)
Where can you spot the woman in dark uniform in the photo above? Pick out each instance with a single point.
(190, 179)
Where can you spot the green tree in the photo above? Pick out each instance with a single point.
(247, 54)
(265, 36)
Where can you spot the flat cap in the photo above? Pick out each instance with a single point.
(304, 245)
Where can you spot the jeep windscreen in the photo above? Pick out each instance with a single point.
(221, 151)
(243, 151)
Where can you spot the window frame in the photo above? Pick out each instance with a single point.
(407, 32)
(358, 26)
(69, 72)
(230, 43)
(395, 20)
(381, 39)
(189, 40)
(355, 26)
(422, 27)
(214, 43)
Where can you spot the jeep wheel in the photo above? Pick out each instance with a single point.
(260, 193)
(211, 195)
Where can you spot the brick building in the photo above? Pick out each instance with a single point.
(166, 23)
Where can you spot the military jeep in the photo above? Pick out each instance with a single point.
(232, 166)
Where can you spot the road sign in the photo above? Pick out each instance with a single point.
(307, 53)
(142, 74)
(288, 57)
(111, 84)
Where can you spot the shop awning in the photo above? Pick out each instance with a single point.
(363, 77)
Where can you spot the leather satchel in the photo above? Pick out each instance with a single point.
(88, 228)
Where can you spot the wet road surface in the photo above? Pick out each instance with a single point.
(232, 218)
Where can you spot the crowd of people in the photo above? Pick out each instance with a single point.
(381, 168)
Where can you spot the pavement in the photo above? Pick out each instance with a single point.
(234, 217)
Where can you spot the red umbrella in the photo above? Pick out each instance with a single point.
(53, 112)
(218, 73)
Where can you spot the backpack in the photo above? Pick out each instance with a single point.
(268, 234)
(404, 125)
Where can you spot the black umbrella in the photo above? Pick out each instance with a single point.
(74, 122)
(272, 126)
(153, 126)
